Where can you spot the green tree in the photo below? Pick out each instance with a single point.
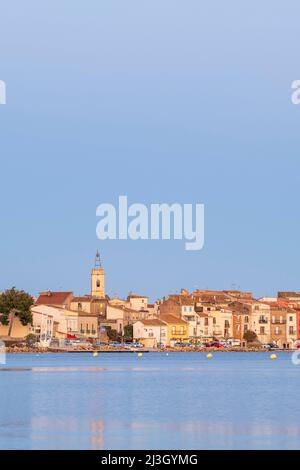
(128, 332)
(15, 302)
(250, 336)
(31, 339)
(113, 335)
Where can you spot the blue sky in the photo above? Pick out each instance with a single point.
(173, 101)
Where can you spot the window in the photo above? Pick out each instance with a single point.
(214, 320)
(291, 331)
(273, 319)
(262, 330)
(246, 319)
(173, 330)
(98, 282)
(79, 306)
(291, 318)
(206, 321)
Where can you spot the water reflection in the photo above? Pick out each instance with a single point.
(179, 401)
(66, 431)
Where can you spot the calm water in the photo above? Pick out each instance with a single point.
(159, 401)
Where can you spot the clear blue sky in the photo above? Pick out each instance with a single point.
(164, 101)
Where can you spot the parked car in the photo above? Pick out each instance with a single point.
(101, 343)
(231, 342)
(214, 344)
(74, 342)
(137, 345)
(115, 344)
(133, 344)
(270, 346)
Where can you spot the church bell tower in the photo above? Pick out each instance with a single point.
(98, 278)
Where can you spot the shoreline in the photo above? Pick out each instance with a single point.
(32, 350)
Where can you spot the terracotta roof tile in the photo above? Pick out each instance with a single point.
(50, 298)
(171, 319)
(153, 322)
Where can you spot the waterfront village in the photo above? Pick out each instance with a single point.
(203, 318)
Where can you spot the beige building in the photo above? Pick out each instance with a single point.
(48, 322)
(194, 322)
(150, 332)
(88, 325)
(98, 279)
(291, 328)
(215, 321)
(42, 326)
(81, 304)
(205, 329)
(71, 318)
(124, 315)
(137, 302)
(153, 310)
(206, 319)
(94, 303)
(117, 301)
(250, 314)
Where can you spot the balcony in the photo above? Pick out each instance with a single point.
(263, 321)
(178, 332)
(217, 332)
(278, 322)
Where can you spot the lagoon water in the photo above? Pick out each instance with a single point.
(157, 401)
